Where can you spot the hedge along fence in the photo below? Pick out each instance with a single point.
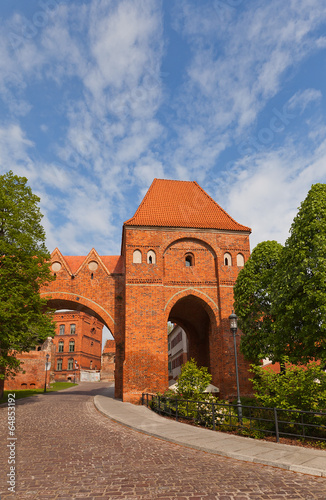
(253, 421)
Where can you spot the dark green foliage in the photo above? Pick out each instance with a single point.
(280, 295)
(252, 301)
(299, 303)
(24, 268)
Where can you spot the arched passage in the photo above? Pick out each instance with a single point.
(197, 316)
(73, 302)
(69, 301)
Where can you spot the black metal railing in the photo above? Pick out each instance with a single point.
(255, 421)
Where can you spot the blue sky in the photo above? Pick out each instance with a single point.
(99, 97)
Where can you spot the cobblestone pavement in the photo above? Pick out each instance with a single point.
(67, 450)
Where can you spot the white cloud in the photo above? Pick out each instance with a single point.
(266, 190)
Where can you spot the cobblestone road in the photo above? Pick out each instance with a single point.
(67, 450)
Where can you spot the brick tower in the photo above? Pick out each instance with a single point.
(182, 255)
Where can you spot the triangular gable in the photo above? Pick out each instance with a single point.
(56, 256)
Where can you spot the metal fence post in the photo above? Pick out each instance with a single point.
(176, 410)
(213, 416)
(276, 425)
(159, 405)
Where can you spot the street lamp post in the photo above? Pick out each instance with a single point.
(46, 370)
(234, 327)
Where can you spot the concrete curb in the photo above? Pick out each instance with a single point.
(283, 456)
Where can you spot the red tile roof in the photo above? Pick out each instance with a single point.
(74, 262)
(170, 203)
(113, 263)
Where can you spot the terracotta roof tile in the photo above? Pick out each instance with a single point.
(170, 203)
(113, 263)
(74, 262)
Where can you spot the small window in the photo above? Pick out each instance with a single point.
(151, 257)
(91, 364)
(189, 260)
(240, 260)
(227, 259)
(136, 257)
(60, 347)
(62, 330)
(70, 364)
(71, 346)
(59, 365)
(72, 329)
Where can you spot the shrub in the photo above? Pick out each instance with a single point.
(299, 388)
(193, 380)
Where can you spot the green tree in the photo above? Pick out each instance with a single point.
(253, 301)
(24, 268)
(299, 297)
(193, 380)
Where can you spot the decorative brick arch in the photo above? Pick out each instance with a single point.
(191, 239)
(134, 295)
(63, 300)
(212, 308)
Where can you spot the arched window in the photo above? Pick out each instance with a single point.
(60, 346)
(136, 257)
(151, 257)
(59, 365)
(189, 260)
(227, 259)
(62, 330)
(70, 364)
(71, 346)
(240, 260)
(72, 329)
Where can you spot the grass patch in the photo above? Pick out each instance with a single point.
(26, 393)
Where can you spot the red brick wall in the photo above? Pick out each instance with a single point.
(199, 298)
(108, 362)
(33, 371)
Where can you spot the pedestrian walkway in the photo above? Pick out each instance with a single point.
(142, 419)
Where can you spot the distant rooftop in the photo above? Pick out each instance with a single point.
(170, 203)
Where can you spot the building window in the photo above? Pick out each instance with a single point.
(72, 329)
(62, 330)
(91, 364)
(240, 260)
(70, 364)
(136, 257)
(60, 347)
(71, 346)
(189, 260)
(151, 257)
(59, 365)
(227, 259)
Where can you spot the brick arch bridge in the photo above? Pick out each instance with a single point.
(172, 267)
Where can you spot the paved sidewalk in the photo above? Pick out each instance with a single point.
(140, 418)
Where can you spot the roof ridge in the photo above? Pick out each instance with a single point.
(219, 206)
(143, 201)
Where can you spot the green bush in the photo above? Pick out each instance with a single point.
(193, 380)
(299, 388)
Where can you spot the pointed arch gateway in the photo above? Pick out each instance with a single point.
(198, 315)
